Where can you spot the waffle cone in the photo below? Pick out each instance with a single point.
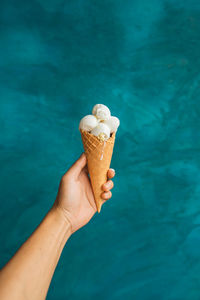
(99, 156)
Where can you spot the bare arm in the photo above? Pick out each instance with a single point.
(28, 274)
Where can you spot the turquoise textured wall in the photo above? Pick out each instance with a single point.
(141, 58)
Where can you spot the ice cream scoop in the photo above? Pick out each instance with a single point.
(101, 111)
(102, 131)
(88, 123)
(112, 123)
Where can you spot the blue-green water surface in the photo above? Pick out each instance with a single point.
(141, 58)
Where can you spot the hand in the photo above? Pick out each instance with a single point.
(75, 197)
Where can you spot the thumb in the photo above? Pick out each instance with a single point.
(77, 167)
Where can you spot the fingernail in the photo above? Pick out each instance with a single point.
(107, 185)
(113, 170)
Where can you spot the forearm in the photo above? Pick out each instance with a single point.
(28, 274)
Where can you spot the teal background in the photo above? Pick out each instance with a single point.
(141, 58)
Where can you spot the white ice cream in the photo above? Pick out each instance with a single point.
(112, 123)
(88, 123)
(101, 111)
(102, 131)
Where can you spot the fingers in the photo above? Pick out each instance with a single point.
(108, 186)
(106, 195)
(78, 166)
(111, 173)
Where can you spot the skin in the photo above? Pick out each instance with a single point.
(28, 274)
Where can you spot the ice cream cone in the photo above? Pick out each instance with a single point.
(99, 154)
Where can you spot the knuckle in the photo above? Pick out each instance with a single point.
(103, 195)
(108, 195)
(64, 178)
(112, 173)
(106, 188)
(111, 184)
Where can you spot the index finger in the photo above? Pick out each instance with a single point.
(111, 173)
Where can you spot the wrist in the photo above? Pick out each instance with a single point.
(62, 220)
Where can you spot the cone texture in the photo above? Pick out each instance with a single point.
(99, 156)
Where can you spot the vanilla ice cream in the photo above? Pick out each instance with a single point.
(88, 123)
(112, 123)
(102, 131)
(101, 111)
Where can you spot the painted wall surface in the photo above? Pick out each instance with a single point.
(141, 58)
